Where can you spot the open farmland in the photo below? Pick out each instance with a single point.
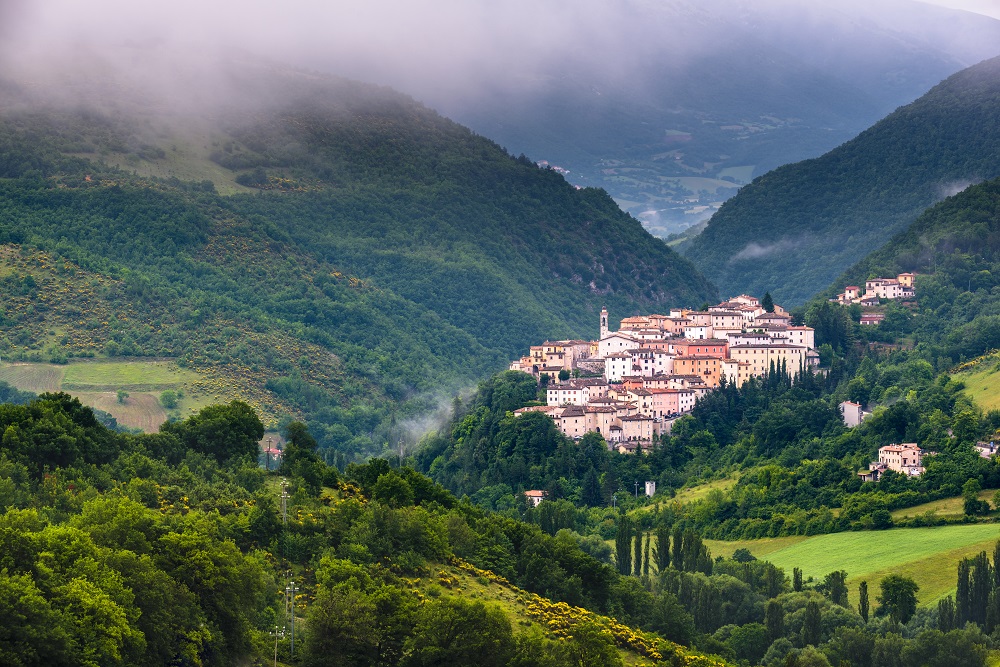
(928, 555)
(96, 383)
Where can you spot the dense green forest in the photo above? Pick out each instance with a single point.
(175, 548)
(955, 247)
(793, 230)
(370, 257)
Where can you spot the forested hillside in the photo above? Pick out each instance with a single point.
(955, 249)
(369, 256)
(177, 548)
(792, 231)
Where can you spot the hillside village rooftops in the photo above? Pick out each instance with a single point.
(771, 346)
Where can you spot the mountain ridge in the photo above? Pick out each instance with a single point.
(417, 253)
(793, 230)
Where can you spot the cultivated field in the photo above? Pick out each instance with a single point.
(96, 383)
(928, 555)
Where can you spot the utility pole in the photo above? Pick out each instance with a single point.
(284, 501)
(277, 635)
(614, 500)
(291, 589)
(268, 459)
(637, 490)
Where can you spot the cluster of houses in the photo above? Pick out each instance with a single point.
(906, 459)
(630, 385)
(876, 289)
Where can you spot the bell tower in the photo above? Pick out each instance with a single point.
(604, 322)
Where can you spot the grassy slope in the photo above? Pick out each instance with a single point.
(982, 381)
(946, 507)
(928, 555)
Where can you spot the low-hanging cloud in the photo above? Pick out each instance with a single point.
(754, 250)
(440, 51)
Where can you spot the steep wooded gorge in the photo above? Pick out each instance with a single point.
(793, 230)
(337, 248)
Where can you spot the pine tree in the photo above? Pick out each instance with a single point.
(623, 545)
(862, 600)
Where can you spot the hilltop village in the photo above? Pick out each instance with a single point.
(877, 289)
(631, 385)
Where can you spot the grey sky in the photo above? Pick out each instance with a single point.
(385, 39)
(984, 7)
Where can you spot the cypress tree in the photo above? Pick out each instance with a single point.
(678, 548)
(836, 587)
(645, 557)
(637, 558)
(774, 620)
(946, 614)
(963, 595)
(862, 600)
(812, 625)
(993, 612)
(796, 579)
(982, 583)
(662, 549)
(767, 303)
(996, 566)
(692, 550)
(591, 492)
(623, 545)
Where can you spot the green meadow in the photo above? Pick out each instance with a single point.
(928, 555)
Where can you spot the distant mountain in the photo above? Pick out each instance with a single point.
(337, 250)
(671, 106)
(792, 231)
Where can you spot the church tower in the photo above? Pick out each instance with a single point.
(604, 322)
